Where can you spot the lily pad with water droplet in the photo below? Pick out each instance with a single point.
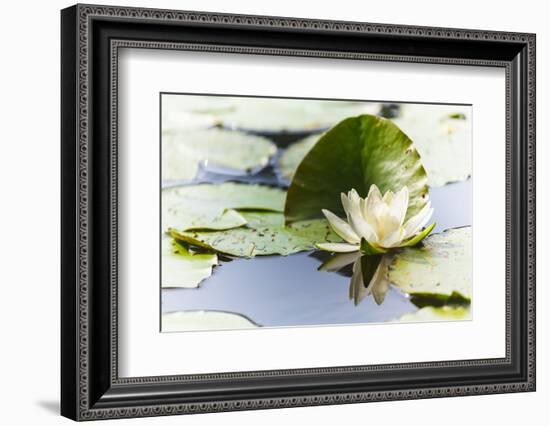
(214, 206)
(356, 153)
(443, 136)
(438, 271)
(205, 320)
(264, 234)
(443, 313)
(182, 151)
(182, 268)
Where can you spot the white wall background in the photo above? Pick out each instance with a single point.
(29, 213)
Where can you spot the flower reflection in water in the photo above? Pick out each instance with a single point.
(369, 274)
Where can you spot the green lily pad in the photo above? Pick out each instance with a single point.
(214, 206)
(289, 115)
(182, 268)
(440, 133)
(204, 320)
(197, 104)
(294, 154)
(443, 136)
(356, 153)
(183, 151)
(265, 233)
(439, 270)
(182, 113)
(174, 122)
(444, 313)
(177, 116)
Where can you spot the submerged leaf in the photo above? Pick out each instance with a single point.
(265, 233)
(204, 320)
(439, 269)
(181, 268)
(444, 313)
(443, 136)
(183, 151)
(213, 206)
(356, 153)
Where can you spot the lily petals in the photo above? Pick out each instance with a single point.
(394, 239)
(374, 209)
(374, 193)
(376, 223)
(338, 247)
(399, 205)
(356, 219)
(345, 204)
(341, 227)
(388, 197)
(418, 221)
(418, 237)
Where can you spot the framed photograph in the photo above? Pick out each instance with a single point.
(263, 212)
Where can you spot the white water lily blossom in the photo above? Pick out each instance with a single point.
(377, 223)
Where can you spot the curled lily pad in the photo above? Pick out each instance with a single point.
(214, 206)
(205, 320)
(265, 233)
(183, 151)
(293, 155)
(444, 313)
(443, 136)
(182, 268)
(439, 271)
(356, 153)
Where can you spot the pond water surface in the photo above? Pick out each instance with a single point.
(277, 291)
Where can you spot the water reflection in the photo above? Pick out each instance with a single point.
(368, 274)
(311, 288)
(281, 291)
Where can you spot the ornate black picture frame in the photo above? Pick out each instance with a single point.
(91, 36)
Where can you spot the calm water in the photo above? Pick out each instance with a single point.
(276, 291)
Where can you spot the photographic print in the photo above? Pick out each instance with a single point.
(282, 212)
(328, 207)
